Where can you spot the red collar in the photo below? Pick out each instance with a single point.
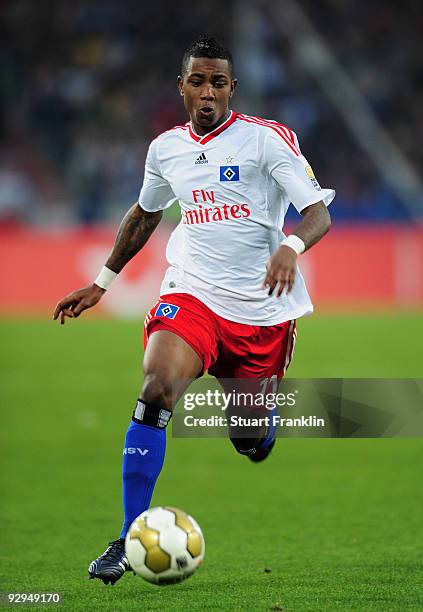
(207, 137)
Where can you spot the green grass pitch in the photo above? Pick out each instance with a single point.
(338, 522)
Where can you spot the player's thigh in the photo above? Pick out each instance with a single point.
(170, 364)
(170, 354)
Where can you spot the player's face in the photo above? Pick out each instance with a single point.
(206, 87)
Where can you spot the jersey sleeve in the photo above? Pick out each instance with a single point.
(156, 193)
(290, 169)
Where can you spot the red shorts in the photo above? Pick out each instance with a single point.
(227, 349)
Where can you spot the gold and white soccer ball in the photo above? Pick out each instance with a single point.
(164, 545)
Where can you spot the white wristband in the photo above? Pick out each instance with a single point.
(105, 278)
(294, 243)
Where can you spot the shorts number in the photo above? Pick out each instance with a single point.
(269, 385)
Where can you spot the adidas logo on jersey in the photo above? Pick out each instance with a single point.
(202, 159)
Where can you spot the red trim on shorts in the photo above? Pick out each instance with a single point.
(290, 347)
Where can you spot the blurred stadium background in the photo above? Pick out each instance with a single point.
(86, 85)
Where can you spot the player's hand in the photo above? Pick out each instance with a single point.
(281, 269)
(76, 302)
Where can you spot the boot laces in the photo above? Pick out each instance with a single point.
(114, 550)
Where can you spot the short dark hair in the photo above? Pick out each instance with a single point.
(207, 46)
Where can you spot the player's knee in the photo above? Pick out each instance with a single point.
(158, 390)
(244, 446)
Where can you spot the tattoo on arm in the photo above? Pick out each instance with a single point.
(134, 231)
(314, 224)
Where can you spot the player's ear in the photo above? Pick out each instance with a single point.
(234, 83)
(181, 85)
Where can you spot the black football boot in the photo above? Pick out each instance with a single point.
(112, 564)
(262, 453)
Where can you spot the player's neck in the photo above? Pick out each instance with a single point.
(202, 130)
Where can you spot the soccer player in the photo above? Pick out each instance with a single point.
(232, 292)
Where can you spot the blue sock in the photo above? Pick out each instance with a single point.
(143, 458)
(271, 430)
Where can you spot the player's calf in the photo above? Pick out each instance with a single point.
(158, 390)
(143, 456)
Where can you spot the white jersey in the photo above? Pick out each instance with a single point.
(234, 186)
